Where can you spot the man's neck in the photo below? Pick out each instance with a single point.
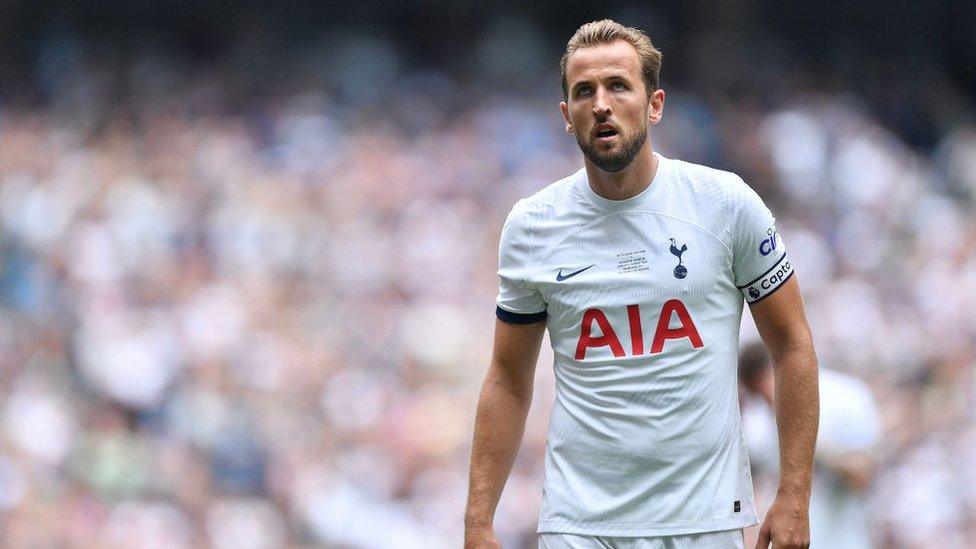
(628, 182)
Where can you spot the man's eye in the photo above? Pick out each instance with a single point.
(585, 90)
(619, 86)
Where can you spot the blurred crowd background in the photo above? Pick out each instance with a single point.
(248, 254)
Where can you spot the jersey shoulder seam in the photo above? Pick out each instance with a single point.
(705, 230)
(728, 183)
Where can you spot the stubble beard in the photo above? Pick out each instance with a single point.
(614, 162)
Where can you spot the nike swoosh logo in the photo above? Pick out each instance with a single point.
(560, 276)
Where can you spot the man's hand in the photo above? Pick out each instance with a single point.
(481, 538)
(787, 524)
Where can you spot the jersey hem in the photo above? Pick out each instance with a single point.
(644, 530)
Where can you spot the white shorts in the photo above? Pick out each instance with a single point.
(725, 539)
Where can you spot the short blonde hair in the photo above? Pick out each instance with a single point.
(606, 31)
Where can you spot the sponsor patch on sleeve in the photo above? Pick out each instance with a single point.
(770, 242)
(770, 281)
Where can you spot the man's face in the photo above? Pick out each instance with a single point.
(608, 109)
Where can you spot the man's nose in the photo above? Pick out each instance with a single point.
(601, 103)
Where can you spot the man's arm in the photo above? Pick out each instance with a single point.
(502, 408)
(783, 326)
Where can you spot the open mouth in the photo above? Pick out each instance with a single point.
(606, 133)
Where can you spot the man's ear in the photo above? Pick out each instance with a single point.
(564, 108)
(656, 110)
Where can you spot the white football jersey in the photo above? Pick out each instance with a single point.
(642, 299)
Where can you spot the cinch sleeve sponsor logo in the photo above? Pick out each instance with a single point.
(768, 244)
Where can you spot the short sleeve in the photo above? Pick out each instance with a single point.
(518, 302)
(759, 263)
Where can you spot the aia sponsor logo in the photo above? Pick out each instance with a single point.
(663, 331)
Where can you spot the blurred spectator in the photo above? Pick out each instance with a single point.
(845, 459)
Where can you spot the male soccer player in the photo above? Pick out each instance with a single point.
(638, 265)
